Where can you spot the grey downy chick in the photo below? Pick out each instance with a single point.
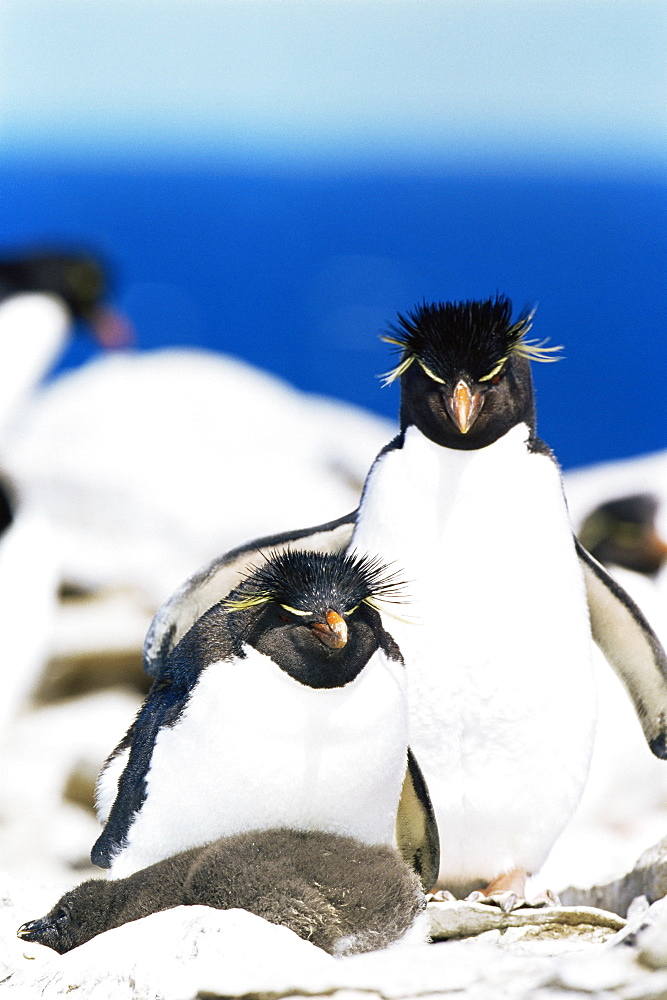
(342, 895)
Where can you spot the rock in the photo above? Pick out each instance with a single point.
(549, 939)
(197, 952)
(96, 644)
(457, 969)
(605, 970)
(76, 675)
(548, 929)
(648, 878)
(623, 968)
(646, 932)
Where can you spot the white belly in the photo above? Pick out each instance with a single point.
(255, 749)
(500, 678)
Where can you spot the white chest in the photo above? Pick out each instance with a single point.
(498, 658)
(255, 749)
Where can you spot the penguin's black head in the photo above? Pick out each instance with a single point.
(315, 614)
(464, 369)
(79, 280)
(623, 532)
(77, 917)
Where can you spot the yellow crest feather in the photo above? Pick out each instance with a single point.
(394, 373)
(251, 601)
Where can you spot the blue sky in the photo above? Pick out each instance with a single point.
(277, 178)
(384, 81)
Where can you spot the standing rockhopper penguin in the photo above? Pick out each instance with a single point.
(336, 892)
(283, 706)
(470, 502)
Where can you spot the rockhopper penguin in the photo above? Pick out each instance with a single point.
(78, 280)
(339, 893)
(469, 503)
(41, 293)
(501, 685)
(283, 706)
(624, 532)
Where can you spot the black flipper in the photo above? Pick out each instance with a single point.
(219, 578)
(416, 828)
(161, 707)
(631, 647)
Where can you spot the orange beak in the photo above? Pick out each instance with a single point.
(333, 632)
(658, 548)
(112, 329)
(463, 406)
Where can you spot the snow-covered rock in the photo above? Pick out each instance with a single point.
(173, 955)
(647, 879)
(196, 952)
(150, 464)
(43, 833)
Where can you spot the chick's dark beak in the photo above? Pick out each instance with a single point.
(332, 632)
(464, 405)
(41, 930)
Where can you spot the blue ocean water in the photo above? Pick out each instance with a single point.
(299, 274)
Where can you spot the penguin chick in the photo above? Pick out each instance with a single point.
(283, 706)
(342, 895)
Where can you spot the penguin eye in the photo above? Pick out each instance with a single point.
(496, 373)
(62, 916)
(294, 611)
(431, 374)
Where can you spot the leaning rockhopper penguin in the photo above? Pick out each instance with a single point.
(283, 706)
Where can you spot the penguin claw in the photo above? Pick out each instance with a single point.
(476, 897)
(441, 896)
(508, 900)
(546, 898)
